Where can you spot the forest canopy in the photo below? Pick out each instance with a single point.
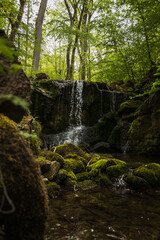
(93, 40)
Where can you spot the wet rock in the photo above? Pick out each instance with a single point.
(137, 183)
(150, 172)
(44, 164)
(145, 130)
(24, 185)
(119, 135)
(53, 170)
(69, 148)
(52, 156)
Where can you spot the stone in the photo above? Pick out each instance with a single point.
(145, 129)
(53, 170)
(137, 183)
(24, 185)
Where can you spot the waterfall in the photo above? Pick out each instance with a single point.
(74, 132)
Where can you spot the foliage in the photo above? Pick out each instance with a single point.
(17, 101)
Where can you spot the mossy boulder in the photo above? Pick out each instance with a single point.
(24, 184)
(69, 148)
(44, 164)
(53, 170)
(73, 165)
(110, 167)
(150, 172)
(105, 181)
(53, 189)
(52, 156)
(82, 176)
(61, 176)
(137, 183)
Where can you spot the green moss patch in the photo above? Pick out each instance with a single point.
(150, 172)
(73, 165)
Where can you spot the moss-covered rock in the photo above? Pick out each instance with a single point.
(53, 189)
(137, 183)
(44, 164)
(82, 176)
(69, 148)
(105, 181)
(53, 170)
(150, 172)
(52, 156)
(25, 187)
(115, 170)
(129, 106)
(61, 176)
(74, 165)
(145, 129)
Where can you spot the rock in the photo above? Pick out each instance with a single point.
(24, 185)
(150, 172)
(137, 183)
(12, 78)
(145, 129)
(52, 156)
(69, 148)
(53, 189)
(129, 106)
(53, 170)
(82, 176)
(44, 164)
(119, 135)
(73, 165)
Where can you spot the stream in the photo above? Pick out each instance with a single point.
(106, 214)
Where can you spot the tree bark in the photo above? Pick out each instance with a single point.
(38, 35)
(15, 25)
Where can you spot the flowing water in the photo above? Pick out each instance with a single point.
(106, 214)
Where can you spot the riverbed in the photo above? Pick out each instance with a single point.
(105, 214)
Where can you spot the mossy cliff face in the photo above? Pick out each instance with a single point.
(145, 129)
(24, 185)
(51, 102)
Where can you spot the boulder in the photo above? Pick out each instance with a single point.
(145, 129)
(21, 182)
(137, 183)
(53, 170)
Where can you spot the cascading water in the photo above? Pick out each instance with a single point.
(74, 132)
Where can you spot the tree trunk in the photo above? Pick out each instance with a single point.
(38, 35)
(15, 25)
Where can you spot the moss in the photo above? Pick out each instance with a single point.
(76, 157)
(115, 170)
(150, 172)
(73, 165)
(69, 148)
(41, 159)
(71, 184)
(94, 159)
(105, 181)
(52, 156)
(7, 125)
(53, 189)
(71, 175)
(61, 176)
(100, 164)
(21, 175)
(129, 106)
(82, 176)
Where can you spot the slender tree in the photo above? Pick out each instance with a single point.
(38, 35)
